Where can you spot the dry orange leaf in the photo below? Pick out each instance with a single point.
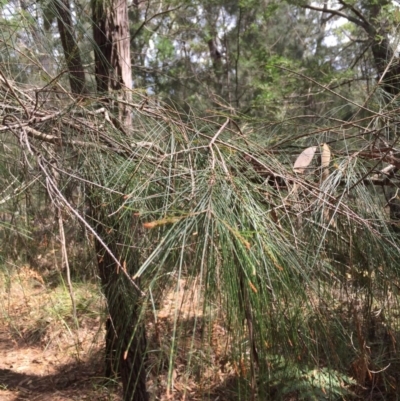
(156, 223)
(243, 369)
(150, 224)
(252, 286)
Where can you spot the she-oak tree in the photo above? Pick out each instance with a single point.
(125, 338)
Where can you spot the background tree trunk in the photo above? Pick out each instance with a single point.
(70, 47)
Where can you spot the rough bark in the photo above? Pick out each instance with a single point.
(112, 52)
(125, 334)
(103, 44)
(70, 47)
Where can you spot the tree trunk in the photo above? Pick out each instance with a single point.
(125, 337)
(386, 63)
(388, 67)
(70, 47)
(112, 53)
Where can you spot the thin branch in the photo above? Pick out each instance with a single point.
(356, 12)
(338, 13)
(325, 87)
(152, 17)
(10, 87)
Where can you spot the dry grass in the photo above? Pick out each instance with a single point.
(202, 368)
(44, 356)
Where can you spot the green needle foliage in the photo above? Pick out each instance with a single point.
(298, 267)
(291, 267)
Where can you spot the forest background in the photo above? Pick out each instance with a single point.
(212, 184)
